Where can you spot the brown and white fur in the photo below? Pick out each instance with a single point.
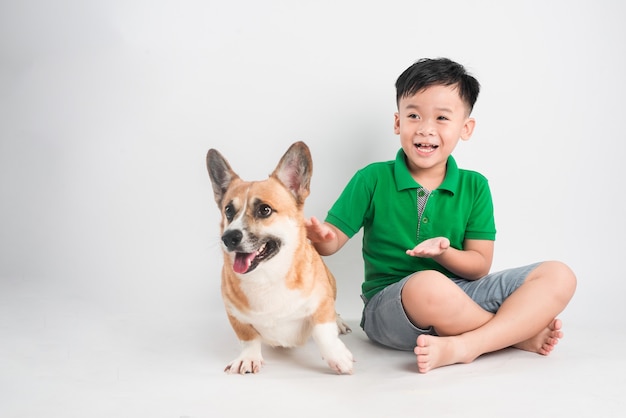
(275, 286)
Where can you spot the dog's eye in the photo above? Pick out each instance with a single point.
(264, 211)
(229, 212)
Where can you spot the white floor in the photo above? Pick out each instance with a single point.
(63, 354)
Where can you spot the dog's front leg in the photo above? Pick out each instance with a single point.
(249, 361)
(333, 350)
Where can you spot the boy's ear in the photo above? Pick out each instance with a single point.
(396, 123)
(468, 129)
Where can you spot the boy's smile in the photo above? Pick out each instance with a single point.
(430, 124)
(426, 148)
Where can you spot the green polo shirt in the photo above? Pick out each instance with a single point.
(382, 199)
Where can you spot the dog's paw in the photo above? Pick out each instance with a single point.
(340, 359)
(242, 365)
(333, 350)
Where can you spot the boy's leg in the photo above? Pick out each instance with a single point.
(526, 320)
(431, 299)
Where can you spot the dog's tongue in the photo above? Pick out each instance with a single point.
(242, 262)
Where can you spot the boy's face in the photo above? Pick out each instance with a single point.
(430, 124)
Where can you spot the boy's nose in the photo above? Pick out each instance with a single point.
(425, 128)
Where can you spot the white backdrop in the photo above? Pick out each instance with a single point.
(107, 110)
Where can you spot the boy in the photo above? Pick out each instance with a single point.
(428, 238)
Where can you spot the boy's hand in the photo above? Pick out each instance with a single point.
(317, 231)
(430, 248)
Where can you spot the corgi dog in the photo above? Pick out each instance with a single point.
(275, 286)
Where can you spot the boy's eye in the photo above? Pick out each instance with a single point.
(442, 118)
(413, 116)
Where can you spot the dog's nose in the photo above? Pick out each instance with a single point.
(231, 239)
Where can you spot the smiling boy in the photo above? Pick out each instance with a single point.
(428, 238)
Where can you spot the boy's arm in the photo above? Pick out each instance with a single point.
(326, 238)
(471, 263)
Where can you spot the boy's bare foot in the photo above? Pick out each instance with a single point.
(544, 342)
(433, 352)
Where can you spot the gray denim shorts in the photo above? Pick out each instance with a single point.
(385, 322)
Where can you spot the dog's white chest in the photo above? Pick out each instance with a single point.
(281, 316)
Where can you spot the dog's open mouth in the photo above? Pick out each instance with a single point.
(246, 262)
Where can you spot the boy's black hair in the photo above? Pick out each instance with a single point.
(440, 71)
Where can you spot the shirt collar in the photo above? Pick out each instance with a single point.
(404, 180)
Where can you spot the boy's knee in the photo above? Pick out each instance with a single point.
(423, 296)
(566, 276)
(426, 286)
(559, 273)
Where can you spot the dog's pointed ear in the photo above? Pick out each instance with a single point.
(220, 173)
(294, 170)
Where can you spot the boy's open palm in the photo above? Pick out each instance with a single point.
(430, 248)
